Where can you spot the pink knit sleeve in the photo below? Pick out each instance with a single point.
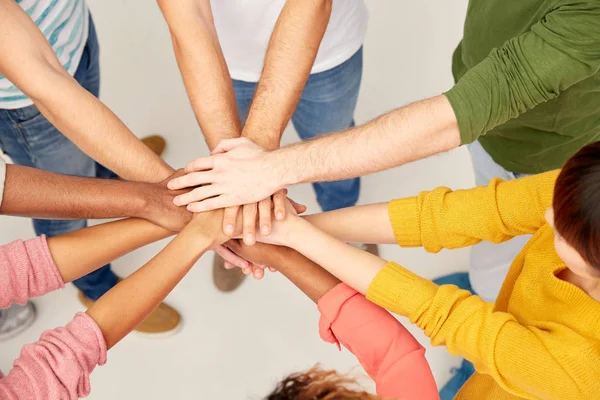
(58, 366)
(385, 349)
(26, 270)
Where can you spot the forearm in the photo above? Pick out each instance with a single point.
(307, 276)
(35, 70)
(63, 196)
(203, 68)
(78, 253)
(96, 130)
(119, 311)
(364, 224)
(355, 267)
(407, 134)
(290, 56)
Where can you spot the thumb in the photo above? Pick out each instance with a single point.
(228, 144)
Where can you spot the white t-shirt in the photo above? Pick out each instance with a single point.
(244, 28)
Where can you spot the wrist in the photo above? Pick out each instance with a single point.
(144, 203)
(294, 229)
(284, 176)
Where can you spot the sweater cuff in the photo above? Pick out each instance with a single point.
(59, 283)
(88, 331)
(329, 306)
(404, 216)
(399, 290)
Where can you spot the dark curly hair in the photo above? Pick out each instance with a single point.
(319, 384)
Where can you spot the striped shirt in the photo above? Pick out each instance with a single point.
(65, 25)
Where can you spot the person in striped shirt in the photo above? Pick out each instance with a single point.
(48, 93)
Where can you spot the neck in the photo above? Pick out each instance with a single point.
(591, 286)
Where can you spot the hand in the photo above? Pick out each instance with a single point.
(208, 224)
(160, 209)
(266, 208)
(260, 255)
(238, 172)
(281, 230)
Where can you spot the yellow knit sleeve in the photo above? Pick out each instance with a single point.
(443, 218)
(529, 362)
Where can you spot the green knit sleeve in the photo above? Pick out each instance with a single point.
(558, 51)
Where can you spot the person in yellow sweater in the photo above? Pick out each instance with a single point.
(541, 339)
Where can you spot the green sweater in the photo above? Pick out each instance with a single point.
(528, 80)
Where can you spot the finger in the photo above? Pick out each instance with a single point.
(191, 179)
(279, 198)
(229, 220)
(231, 257)
(210, 204)
(198, 194)
(272, 269)
(228, 144)
(258, 273)
(249, 224)
(200, 164)
(264, 213)
(228, 265)
(300, 208)
(247, 271)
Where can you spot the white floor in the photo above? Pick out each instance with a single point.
(237, 346)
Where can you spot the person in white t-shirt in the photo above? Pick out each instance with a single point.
(249, 66)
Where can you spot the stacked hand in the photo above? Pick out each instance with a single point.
(238, 174)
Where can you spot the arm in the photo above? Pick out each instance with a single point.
(35, 70)
(62, 359)
(203, 68)
(360, 224)
(63, 196)
(387, 351)
(35, 267)
(290, 57)
(532, 68)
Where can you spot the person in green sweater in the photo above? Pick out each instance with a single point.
(527, 98)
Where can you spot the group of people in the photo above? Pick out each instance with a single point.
(525, 317)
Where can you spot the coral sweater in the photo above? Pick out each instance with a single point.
(541, 340)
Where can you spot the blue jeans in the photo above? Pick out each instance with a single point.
(327, 105)
(31, 140)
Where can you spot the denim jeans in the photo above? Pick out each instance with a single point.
(31, 140)
(327, 105)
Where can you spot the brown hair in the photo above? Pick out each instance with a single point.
(318, 384)
(577, 203)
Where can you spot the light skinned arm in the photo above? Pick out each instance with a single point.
(30, 192)
(127, 304)
(407, 134)
(35, 70)
(289, 59)
(557, 52)
(290, 56)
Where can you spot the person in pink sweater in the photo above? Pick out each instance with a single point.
(59, 364)
(387, 351)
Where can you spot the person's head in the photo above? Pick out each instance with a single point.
(318, 384)
(575, 212)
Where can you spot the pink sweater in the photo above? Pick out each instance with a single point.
(58, 365)
(387, 351)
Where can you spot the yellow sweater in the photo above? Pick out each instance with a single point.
(541, 340)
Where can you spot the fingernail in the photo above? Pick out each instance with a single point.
(176, 201)
(229, 229)
(279, 215)
(249, 238)
(265, 230)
